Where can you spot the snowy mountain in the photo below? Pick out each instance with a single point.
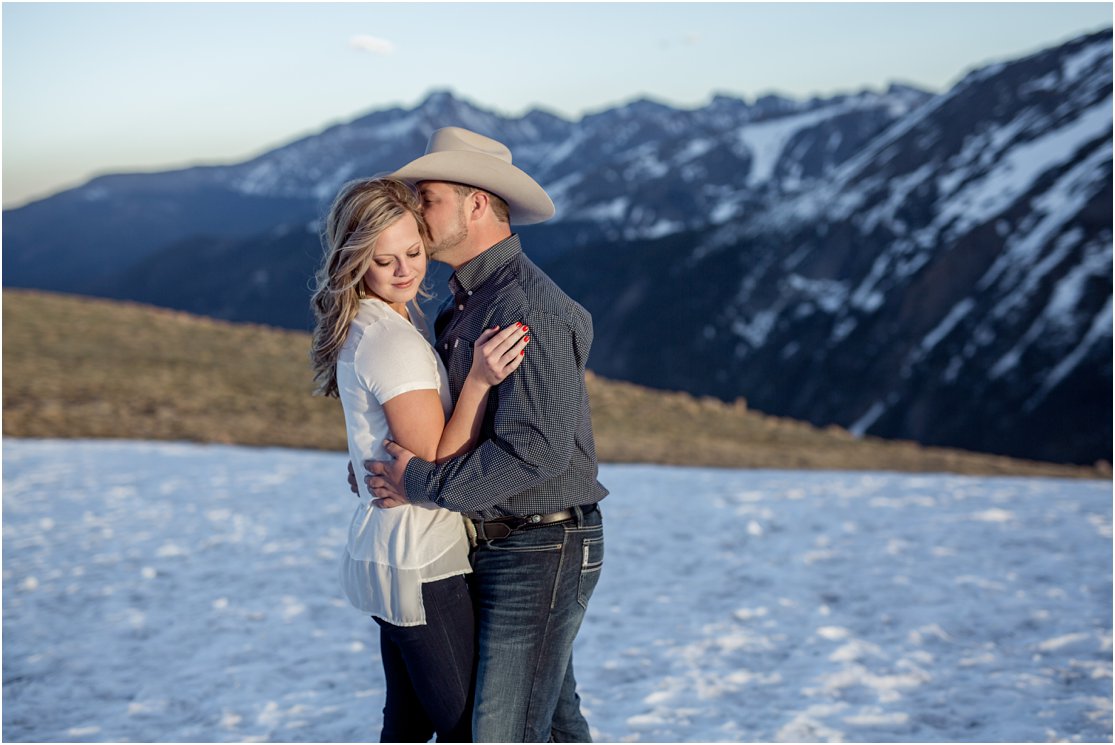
(623, 172)
(908, 265)
(951, 283)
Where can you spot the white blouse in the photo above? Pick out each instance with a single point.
(391, 552)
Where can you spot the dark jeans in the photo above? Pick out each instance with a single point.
(429, 668)
(531, 590)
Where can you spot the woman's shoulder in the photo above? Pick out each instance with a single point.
(375, 319)
(372, 311)
(389, 354)
(378, 327)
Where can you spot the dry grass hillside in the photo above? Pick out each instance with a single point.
(80, 367)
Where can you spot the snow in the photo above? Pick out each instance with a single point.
(1070, 289)
(1047, 82)
(643, 163)
(842, 329)
(847, 191)
(1014, 173)
(694, 149)
(560, 191)
(724, 211)
(1057, 320)
(1010, 174)
(329, 186)
(757, 328)
(1099, 332)
(611, 211)
(174, 592)
(95, 193)
(561, 151)
(1084, 60)
(260, 178)
(660, 228)
(945, 327)
(766, 140)
(1059, 324)
(867, 295)
(899, 189)
(984, 149)
(830, 294)
(861, 425)
(387, 131)
(1027, 257)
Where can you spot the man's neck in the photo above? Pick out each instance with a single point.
(478, 244)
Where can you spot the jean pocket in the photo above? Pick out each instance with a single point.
(592, 561)
(506, 547)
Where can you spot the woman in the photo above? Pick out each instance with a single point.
(405, 566)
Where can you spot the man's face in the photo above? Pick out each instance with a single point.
(444, 212)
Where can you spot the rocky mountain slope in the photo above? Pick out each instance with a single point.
(951, 283)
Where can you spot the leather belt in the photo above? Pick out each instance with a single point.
(501, 527)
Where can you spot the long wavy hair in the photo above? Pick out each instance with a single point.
(362, 210)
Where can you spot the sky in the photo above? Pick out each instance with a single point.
(91, 88)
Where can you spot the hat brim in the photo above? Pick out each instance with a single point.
(528, 202)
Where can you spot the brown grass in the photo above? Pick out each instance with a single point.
(81, 367)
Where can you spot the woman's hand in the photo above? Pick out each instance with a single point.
(497, 353)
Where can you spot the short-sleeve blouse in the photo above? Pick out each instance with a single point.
(391, 552)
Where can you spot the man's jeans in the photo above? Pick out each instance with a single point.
(531, 590)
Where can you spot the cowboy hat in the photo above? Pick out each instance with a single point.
(464, 157)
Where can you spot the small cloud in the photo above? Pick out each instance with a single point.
(372, 44)
(690, 39)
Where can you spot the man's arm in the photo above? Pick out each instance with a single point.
(533, 430)
(417, 422)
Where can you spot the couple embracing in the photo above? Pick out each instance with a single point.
(478, 541)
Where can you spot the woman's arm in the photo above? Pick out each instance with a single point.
(417, 420)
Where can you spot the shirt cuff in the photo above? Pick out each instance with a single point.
(415, 478)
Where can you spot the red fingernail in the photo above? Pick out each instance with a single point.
(526, 338)
(522, 352)
(526, 328)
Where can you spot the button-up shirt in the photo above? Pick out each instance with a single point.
(536, 452)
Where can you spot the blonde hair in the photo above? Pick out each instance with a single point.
(362, 210)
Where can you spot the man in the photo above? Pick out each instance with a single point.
(530, 487)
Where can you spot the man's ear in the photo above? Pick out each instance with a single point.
(477, 205)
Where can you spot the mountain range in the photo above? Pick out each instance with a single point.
(934, 267)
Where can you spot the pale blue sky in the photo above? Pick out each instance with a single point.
(94, 88)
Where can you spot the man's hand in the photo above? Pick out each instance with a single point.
(352, 480)
(385, 477)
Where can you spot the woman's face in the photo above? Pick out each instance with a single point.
(398, 264)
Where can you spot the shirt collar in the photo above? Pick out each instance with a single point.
(478, 271)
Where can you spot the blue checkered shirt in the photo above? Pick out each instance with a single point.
(536, 452)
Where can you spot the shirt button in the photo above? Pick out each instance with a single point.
(445, 346)
(470, 293)
(460, 307)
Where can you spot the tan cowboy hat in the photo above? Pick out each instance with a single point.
(464, 157)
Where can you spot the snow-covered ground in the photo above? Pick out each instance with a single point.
(159, 592)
